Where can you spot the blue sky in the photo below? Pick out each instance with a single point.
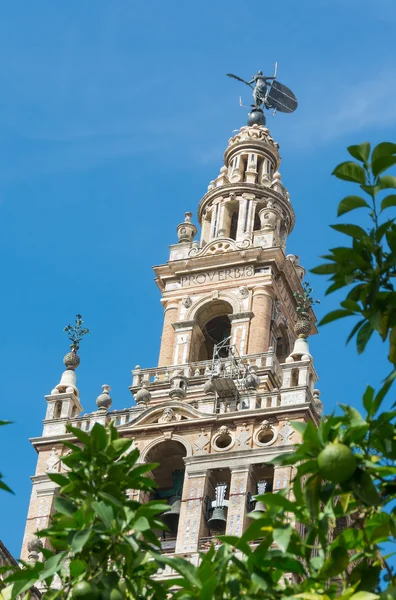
(113, 119)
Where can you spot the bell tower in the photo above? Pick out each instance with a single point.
(234, 363)
(234, 366)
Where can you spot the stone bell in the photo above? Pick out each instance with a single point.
(261, 488)
(171, 516)
(218, 521)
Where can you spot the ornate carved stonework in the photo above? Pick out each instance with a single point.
(169, 415)
(53, 462)
(201, 442)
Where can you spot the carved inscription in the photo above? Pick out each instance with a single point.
(216, 276)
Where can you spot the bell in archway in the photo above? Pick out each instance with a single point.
(261, 488)
(171, 516)
(217, 522)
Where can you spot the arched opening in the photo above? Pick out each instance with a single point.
(257, 224)
(214, 327)
(169, 477)
(282, 345)
(234, 225)
(57, 410)
(294, 378)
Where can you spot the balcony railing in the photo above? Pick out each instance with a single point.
(204, 368)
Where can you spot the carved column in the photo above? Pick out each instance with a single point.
(191, 520)
(168, 334)
(260, 329)
(237, 504)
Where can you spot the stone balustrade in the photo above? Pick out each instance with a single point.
(264, 360)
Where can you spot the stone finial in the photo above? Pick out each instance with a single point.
(71, 360)
(103, 401)
(34, 547)
(317, 402)
(186, 231)
(178, 389)
(252, 380)
(142, 396)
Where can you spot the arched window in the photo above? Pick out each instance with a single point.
(234, 225)
(57, 410)
(282, 345)
(214, 327)
(294, 378)
(169, 477)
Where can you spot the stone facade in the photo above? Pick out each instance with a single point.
(233, 369)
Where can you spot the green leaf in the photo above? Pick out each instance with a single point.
(59, 478)
(184, 567)
(311, 493)
(386, 182)
(381, 395)
(277, 500)
(364, 488)
(334, 315)
(368, 398)
(383, 163)
(350, 203)
(360, 152)
(51, 565)
(364, 596)
(80, 435)
(104, 512)
(299, 426)
(349, 229)
(363, 336)
(141, 524)
(354, 416)
(79, 540)
(388, 201)
(383, 149)
(99, 438)
(4, 486)
(325, 269)
(350, 171)
(77, 567)
(355, 329)
(121, 445)
(64, 506)
(282, 537)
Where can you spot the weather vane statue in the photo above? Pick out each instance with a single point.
(268, 93)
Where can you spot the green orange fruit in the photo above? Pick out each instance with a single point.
(83, 590)
(337, 462)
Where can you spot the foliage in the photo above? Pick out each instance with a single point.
(367, 266)
(305, 300)
(98, 534)
(319, 540)
(76, 333)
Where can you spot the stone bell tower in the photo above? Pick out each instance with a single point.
(234, 364)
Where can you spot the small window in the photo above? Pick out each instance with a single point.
(57, 410)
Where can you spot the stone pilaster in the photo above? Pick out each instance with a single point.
(237, 503)
(239, 331)
(192, 519)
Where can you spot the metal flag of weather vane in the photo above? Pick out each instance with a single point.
(267, 93)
